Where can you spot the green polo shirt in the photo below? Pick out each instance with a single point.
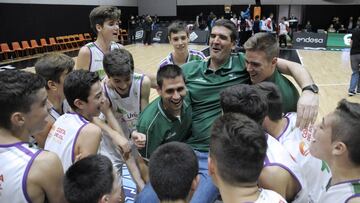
(204, 86)
(289, 93)
(161, 127)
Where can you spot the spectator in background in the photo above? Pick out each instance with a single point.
(283, 31)
(147, 29)
(337, 24)
(293, 24)
(234, 19)
(200, 21)
(308, 27)
(342, 29)
(132, 29)
(210, 20)
(269, 23)
(256, 25)
(355, 63)
(350, 23)
(331, 28)
(263, 24)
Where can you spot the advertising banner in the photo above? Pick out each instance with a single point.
(338, 40)
(309, 39)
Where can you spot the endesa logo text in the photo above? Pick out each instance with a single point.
(310, 40)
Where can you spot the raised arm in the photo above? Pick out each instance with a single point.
(308, 104)
(145, 92)
(83, 59)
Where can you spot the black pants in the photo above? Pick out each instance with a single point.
(132, 35)
(147, 37)
(282, 39)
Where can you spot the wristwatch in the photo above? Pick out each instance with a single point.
(314, 88)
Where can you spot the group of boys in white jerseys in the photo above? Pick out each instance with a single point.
(257, 154)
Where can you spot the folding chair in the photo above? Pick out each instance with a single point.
(45, 45)
(26, 48)
(87, 37)
(19, 52)
(36, 47)
(54, 45)
(5, 52)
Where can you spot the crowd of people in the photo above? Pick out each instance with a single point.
(227, 127)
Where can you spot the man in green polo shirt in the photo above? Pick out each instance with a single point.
(167, 118)
(206, 79)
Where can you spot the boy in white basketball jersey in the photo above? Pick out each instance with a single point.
(296, 141)
(104, 21)
(27, 174)
(179, 38)
(54, 67)
(280, 172)
(73, 134)
(336, 140)
(237, 153)
(127, 91)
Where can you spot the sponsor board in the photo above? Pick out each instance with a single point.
(309, 39)
(338, 40)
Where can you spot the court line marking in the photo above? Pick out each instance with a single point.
(329, 85)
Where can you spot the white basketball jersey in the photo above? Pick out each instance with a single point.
(63, 135)
(297, 142)
(15, 162)
(340, 192)
(126, 110)
(97, 56)
(277, 155)
(269, 196)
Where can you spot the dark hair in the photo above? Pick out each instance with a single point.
(244, 99)
(346, 128)
(265, 42)
(88, 179)
(273, 99)
(52, 66)
(172, 168)
(77, 85)
(177, 26)
(102, 13)
(229, 25)
(168, 71)
(18, 91)
(118, 62)
(238, 144)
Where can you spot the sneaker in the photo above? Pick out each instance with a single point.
(351, 93)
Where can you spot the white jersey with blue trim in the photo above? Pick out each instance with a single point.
(297, 142)
(269, 196)
(15, 163)
(341, 192)
(126, 109)
(63, 135)
(277, 155)
(97, 56)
